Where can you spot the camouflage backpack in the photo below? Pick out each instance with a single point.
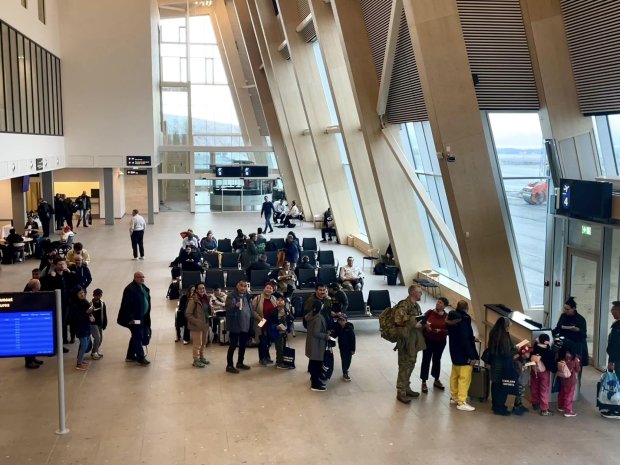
(390, 331)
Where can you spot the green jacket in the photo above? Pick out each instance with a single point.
(405, 315)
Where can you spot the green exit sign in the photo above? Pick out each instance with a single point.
(586, 230)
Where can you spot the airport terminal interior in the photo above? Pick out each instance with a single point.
(471, 148)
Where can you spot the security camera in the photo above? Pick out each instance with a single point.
(450, 158)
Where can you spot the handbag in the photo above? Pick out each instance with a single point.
(90, 218)
(288, 357)
(328, 364)
(510, 377)
(146, 335)
(563, 371)
(486, 356)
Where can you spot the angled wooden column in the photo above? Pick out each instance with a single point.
(398, 206)
(282, 146)
(262, 10)
(317, 113)
(344, 101)
(441, 56)
(560, 116)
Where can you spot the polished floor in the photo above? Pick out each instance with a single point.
(170, 413)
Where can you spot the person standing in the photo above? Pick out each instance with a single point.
(435, 336)
(98, 323)
(238, 322)
(85, 209)
(267, 210)
(59, 208)
(196, 314)
(82, 311)
(463, 354)
(82, 272)
(502, 353)
(573, 327)
(406, 312)
(60, 277)
(135, 315)
(613, 351)
(317, 315)
(136, 231)
(263, 305)
(69, 210)
(45, 212)
(34, 285)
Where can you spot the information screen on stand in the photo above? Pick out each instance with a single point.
(27, 324)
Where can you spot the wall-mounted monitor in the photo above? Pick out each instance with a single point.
(587, 200)
(255, 171)
(227, 171)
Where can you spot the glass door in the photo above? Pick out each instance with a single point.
(583, 283)
(202, 194)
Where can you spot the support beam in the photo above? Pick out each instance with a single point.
(344, 101)
(389, 56)
(47, 192)
(18, 201)
(445, 74)
(399, 210)
(108, 194)
(292, 104)
(308, 79)
(283, 147)
(150, 193)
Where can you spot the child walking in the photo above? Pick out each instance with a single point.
(345, 332)
(98, 322)
(568, 367)
(540, 378)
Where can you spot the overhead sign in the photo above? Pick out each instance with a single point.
(39, 162)
(27, 324)
(131, 172)
(228, 172)
(255, 171)
(139, 160)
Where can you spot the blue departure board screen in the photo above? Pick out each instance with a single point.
(27, 324)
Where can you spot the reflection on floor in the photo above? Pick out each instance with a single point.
(171, 413)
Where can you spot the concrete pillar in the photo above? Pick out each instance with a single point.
(282, 145)
(47, 191)
(18, 201)
(150, 194)
(344, 101)
(292, 105)
(108, 195)
(445, 74)
(398, 206)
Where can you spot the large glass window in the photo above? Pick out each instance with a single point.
(419, 148)
(614, 129)
(174, 102)
(525, 178)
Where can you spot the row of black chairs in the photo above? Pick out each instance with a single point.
(230, 260)
(307, 243)
(378, 300)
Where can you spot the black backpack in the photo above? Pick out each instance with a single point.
(173, 290)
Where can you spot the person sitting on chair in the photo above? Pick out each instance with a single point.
(239, 242)
(292, 214)
(16, 245)
(329, 226)
(261, 264)
(188, 259)
(208, 243)
(279, 211)
(350, 276)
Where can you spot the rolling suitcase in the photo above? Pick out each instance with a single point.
(222, 333)
(479, 387)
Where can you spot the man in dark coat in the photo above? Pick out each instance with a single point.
(261, 264)
(45, 212)
(60, 277)
(82, 272)
(267, 210)
(239, 321)
(613, 351)
(59, 208)
(317, 315)
(135, 315)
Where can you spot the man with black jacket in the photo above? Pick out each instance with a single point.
(613, 351)
(239, 322)
(64, 279)
(267, 210)
(463, 354)
(82, 272)
(135, 315)
(45, 212)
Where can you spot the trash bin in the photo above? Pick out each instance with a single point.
(391, 272)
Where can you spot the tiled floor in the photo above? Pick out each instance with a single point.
(171, 413)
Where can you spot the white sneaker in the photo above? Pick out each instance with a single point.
(465, 407)
(453, 401)
(134, 258)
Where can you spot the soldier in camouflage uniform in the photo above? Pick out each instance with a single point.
(408, 348)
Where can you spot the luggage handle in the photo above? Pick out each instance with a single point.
(478, 362)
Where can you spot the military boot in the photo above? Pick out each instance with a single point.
(402, 397)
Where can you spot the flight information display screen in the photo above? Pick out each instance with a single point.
(27, 324)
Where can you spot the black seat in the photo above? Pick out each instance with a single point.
(214, 278)
(234, 276)
(224, 245)
(378, 301)
(326, 258)
(258, 278)
(190, 278)
(230, 260)
(309, 243)
(278, 243)
(311, 254)
(212, 259)
(306, 278)
(272, 258)
(356, 303)
(327, 275)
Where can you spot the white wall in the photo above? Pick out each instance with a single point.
(18, 152)
(6, 207)
(108, 89)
